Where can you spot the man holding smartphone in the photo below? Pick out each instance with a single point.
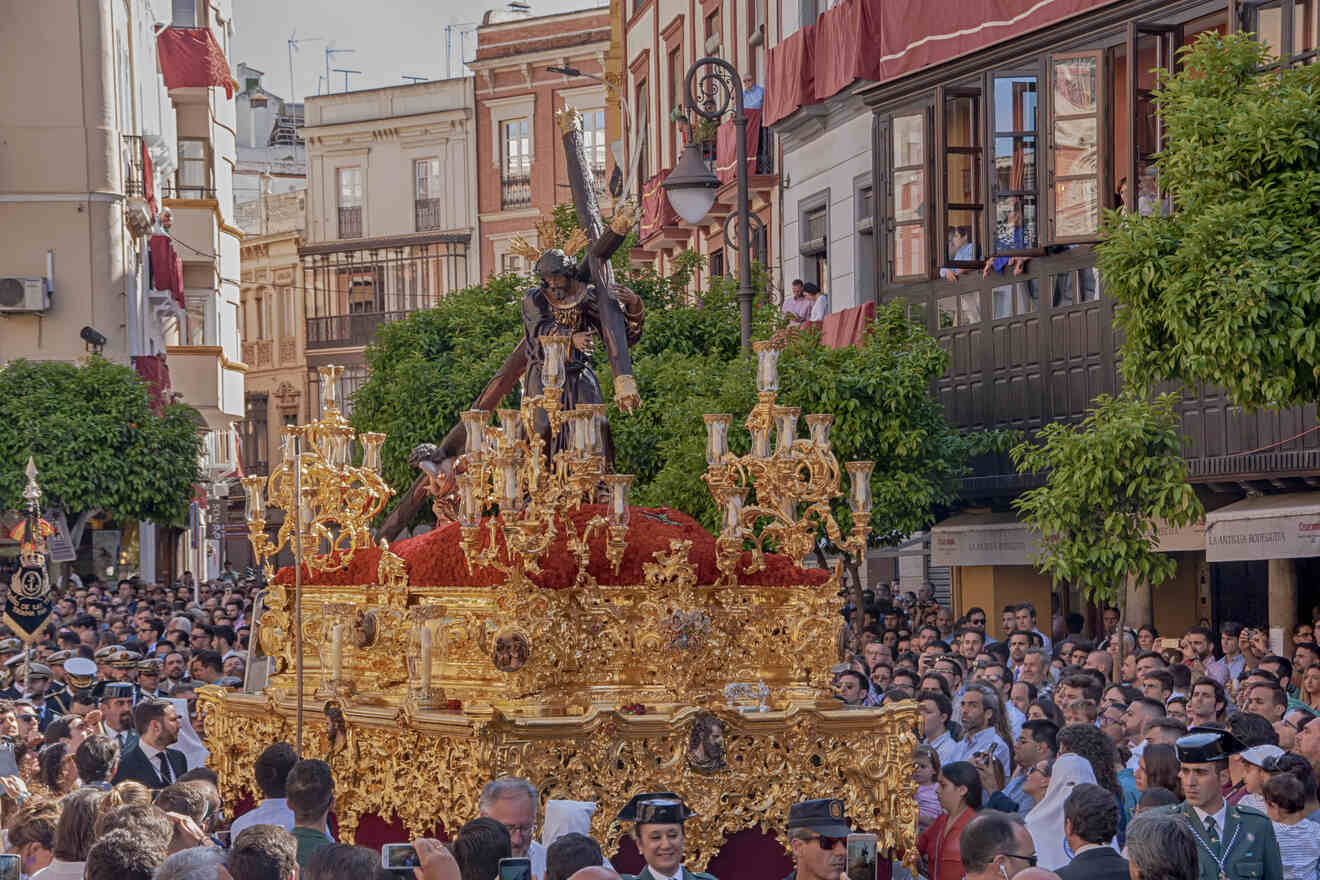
(818, 835)
(659, 834)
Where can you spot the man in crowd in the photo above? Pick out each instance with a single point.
(1090, 823)
(150, 760)
(1026, 620)
(514, 803)
(1038, 741)
(264, 852)
(1206, 703)
(981, 710)
(271, 770)
(817, 836)
(936, 711)
(310, 793)
(1232, 841)
(994, 846)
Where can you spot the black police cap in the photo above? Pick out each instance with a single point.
(655, 808)
(1203, 745)
(822, 815)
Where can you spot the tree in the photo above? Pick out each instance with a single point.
(97, 442)
(1108, 480)
(1226, 289)
(428, 368)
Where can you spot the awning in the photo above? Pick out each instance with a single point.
(1267, 527)
(987, 538)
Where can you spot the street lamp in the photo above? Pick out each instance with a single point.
(691, 185)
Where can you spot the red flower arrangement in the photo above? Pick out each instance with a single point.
(436, 558)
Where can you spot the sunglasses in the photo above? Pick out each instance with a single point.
(828, 843)
(1030, 860)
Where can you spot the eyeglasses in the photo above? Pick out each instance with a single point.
(26, 718)
(1044, 773)
(527, 830)
(1030, 860)
(828, 843)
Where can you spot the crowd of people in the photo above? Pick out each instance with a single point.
(1142, 755)
(1044, 753)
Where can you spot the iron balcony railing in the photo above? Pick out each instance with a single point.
(350, 222)
(516, 191)
(348, 331)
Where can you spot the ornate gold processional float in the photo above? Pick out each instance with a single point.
(548, 629)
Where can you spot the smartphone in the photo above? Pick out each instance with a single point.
(515, 869)
(222, 837)
(399, 855)
(862, 861)
(9, 867)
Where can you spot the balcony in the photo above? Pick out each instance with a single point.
(209, 382)
(195, 176)
(428, 214)
(350, 222)
(348, 331)
(134, 173)
(515, 191)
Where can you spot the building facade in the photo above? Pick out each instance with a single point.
(995, 147)
(272, 158)
(108, 173)
(661, 40)
(391, 214)
(521, 172)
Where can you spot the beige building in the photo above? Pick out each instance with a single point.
(391, 214)
(87, 158)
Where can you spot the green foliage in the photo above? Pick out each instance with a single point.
(1227, 289)
(879, 393)
(1107, 481)
(429, 367)
(96, 441)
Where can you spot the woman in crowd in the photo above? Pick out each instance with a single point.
(1146, 637)
(1045, 710)
(58, 773)
(1158, 768)
(1038, 780)
(74, 835)
(1045, 820)
(1310, 689)
(959, 793)
(1098, 750)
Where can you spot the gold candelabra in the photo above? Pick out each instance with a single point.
(794, 479)
(536, 487)
(328, 502)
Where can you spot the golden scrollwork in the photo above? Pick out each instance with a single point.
(771, 760)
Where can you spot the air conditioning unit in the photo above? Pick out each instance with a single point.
(23, 295)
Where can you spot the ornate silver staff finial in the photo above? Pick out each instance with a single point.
(32, 492)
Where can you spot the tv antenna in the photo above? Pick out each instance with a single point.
(293, 47)
(345, 71)
(415, 79)
(329, 52)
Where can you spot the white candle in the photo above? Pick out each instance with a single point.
(426, 660)
(337, 653)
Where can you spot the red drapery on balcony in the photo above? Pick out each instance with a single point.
(726, 147)
(192, 57)
(846, 39)
(788, 75)
(156, 373)
(167, 268)
(148, 179)
(882, 41)
(848, 327)
(656, 210)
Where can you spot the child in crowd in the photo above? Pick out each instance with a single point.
(1299, 845)
(927, 776)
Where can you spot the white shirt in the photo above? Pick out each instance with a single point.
(271, 811)
(1135, 760)
(819, 309)
(946, 747)
(1218, 817)
(536, 853)
(60, 870)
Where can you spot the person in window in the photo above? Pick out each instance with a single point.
(1149, 202)
(819, 307)
(753, 95)
(962, 248)
(797, 306)
(1015, 239)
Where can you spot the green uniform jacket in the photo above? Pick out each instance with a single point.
(687, 875)
(1254, 854)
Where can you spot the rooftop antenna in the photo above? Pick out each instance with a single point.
(414, 79)
(461, 28)
(345, 71)
(329, 51)
(293, 47)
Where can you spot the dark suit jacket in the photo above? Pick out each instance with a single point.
(134, 765)
(1101, 863)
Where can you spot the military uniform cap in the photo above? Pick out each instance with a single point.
(15, 661)
(1203, 745)
(150, 666)
(10, 645)
(58, 658)
(822, 815)
(126, 660)
(36, 670)
(655, 807)
(81, 672)
(111, 690)
(108, 653)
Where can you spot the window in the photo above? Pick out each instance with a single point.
(964, 204)
(908, 210)
(428, 188)
(675, 101)
(714, 32)
(362, 297)
(1288, 27)
(1013, 165)
(864, 273)
(1075, 287)
(959, 310)
(193, 179)
(643, 108)
(1013, 300)
(512, 264)
(1076, 172)
(185, 13)
(815, 242)
(289, 313)
(593, 142)
(516, 163)
(756, 37)
(350, 202)
(717, 263)
(253, 434)
(1149, 49)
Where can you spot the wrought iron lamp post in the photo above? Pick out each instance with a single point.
(691, 185)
